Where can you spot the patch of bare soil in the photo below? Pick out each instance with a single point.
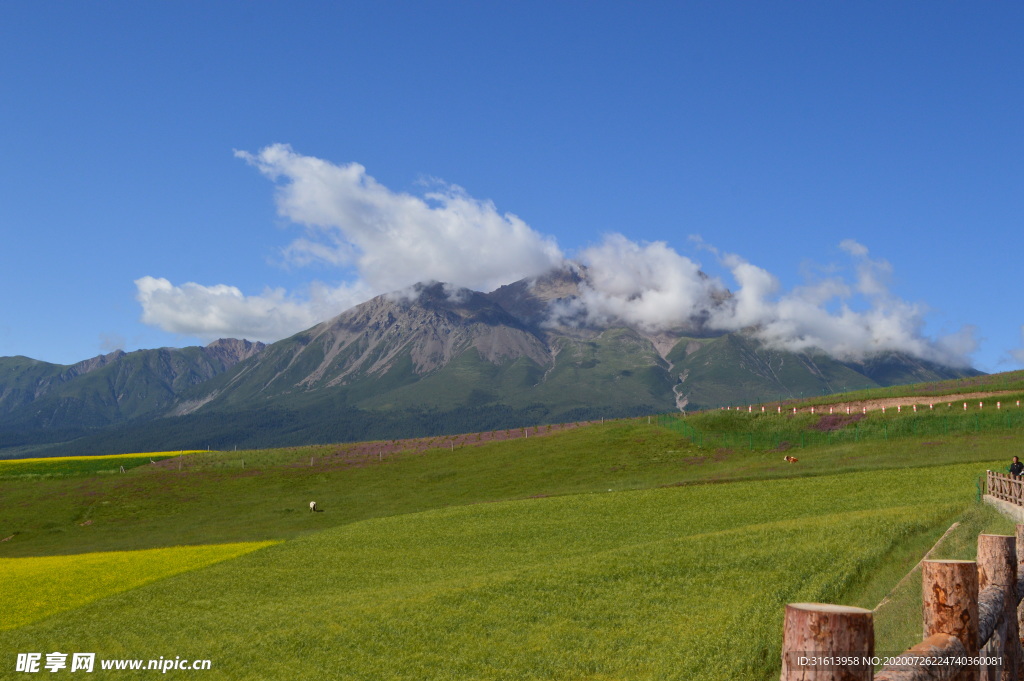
(830, 422)
(920, 401)
(360, 454)
(366, 453)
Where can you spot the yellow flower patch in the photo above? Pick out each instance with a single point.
(35, 588)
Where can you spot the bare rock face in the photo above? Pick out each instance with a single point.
(231, 351)
(87, 365)
(431, 324)
(530, 300)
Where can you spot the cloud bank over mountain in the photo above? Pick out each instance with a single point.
(393, 239)
(382, 240)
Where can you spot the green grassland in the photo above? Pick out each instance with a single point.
(615, 551)
(771, 430)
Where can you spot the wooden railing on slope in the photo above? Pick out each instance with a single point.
(1005, 487)
(970, 614)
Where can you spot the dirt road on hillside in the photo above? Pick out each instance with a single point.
(957, 400)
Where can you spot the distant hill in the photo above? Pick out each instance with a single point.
(430, 360)
(42, 402)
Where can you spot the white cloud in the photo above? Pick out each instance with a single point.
(800, 319)
(647, 285)
(652, 287)
(211, 312)
(853, 248)
(380, 239)
(392, 239)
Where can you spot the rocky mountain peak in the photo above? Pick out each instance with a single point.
(234, 350)
(530, 300)
(87, 365)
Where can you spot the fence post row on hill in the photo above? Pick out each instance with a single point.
(971, 626)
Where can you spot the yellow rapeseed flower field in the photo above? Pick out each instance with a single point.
(37, 587)
(102, 457)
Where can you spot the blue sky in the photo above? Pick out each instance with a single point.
(812, 146)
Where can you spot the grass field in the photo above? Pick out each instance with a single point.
(638, 584)
(616, 551)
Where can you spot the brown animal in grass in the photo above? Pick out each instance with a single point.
(790, 459)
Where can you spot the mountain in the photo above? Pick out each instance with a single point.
(42, 402)
(432, 359)
(374, 348)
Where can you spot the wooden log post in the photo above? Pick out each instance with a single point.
(997, 566)
(935, 646)
(950, 593)
(820, 631)
(1019, 541)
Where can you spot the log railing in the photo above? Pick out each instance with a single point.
(1006, 487)
(971, 630)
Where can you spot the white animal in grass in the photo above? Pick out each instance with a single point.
(312, 506)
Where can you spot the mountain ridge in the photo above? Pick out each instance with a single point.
(422, 361)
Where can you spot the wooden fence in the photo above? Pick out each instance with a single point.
(971, 626)
(1005, 487)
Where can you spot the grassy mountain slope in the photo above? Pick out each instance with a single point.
(111, 389)
(23, 380)
(736, 369)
